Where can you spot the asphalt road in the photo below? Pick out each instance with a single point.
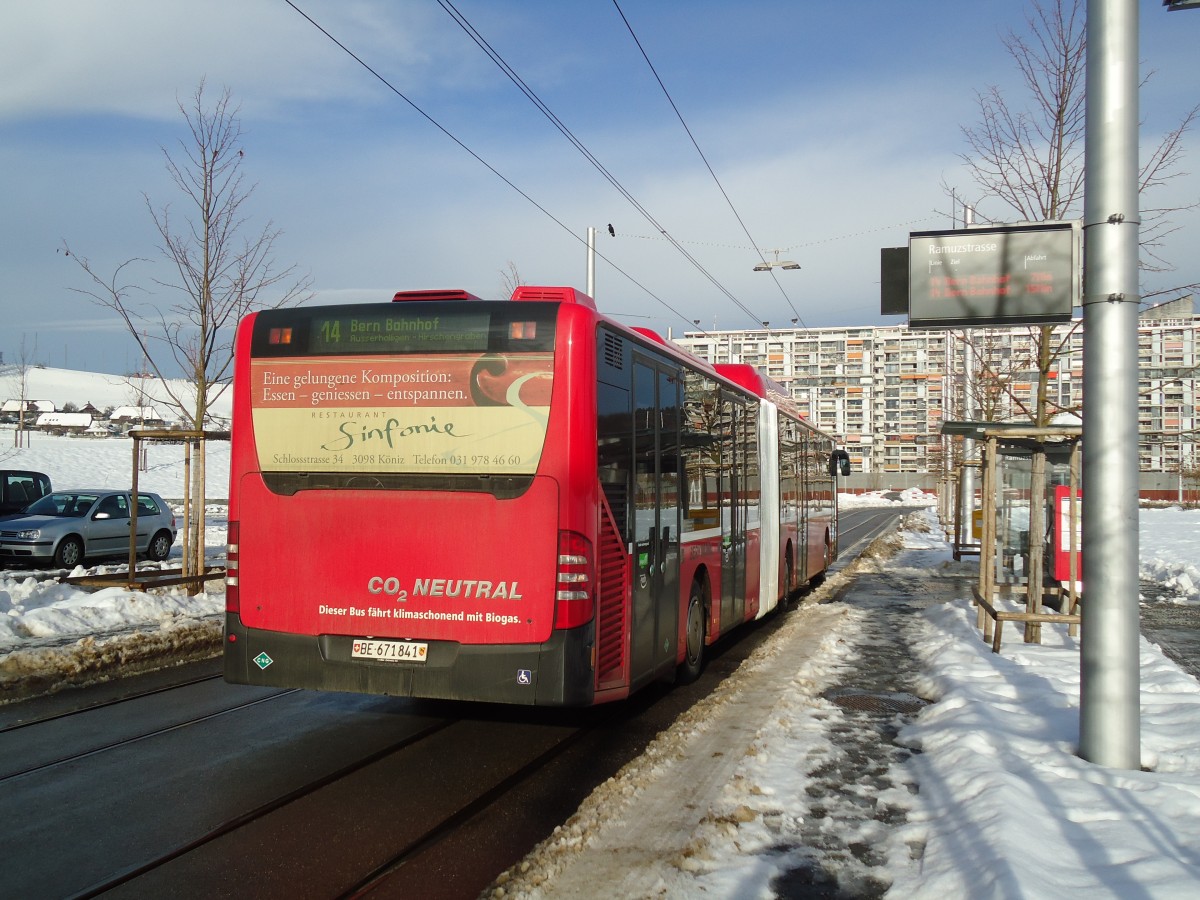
(177, 784)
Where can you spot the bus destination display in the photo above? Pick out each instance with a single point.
(395, 332)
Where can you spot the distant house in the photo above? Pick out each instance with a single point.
(13, 407)
(126, 417)
(100, 428)
(64, 423)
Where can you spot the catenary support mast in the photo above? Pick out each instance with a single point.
(1109, 722)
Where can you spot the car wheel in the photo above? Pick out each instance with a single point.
(69, 553)
(160, 546)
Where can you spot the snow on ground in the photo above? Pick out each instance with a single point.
(1167, 544)
(85, 462)
(47, 627)
(908, 497)
(1006, 808)
(993, 803)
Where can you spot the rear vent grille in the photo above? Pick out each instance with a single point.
(613, 582)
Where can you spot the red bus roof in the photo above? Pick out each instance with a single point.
(553, 295)
(404, 296)
(760, 385)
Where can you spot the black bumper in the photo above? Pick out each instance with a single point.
(556, 673)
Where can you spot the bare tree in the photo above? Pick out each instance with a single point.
(223, 269)
(1031, 158)
(510, 279)
(25, 357)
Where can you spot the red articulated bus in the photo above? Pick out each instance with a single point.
(519, 501)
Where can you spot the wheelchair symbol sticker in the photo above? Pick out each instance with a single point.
(524, 676)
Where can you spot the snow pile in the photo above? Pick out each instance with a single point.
(1167, 552)
(55, 635)
(907, 497)
(54, 611)
(1007, 809)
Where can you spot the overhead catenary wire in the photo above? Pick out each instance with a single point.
(477, 157)
(707, 165)
(516, 79)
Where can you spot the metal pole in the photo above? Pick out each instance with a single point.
(137, 453)
(591, 261)
(1109, 720)
(967, 538)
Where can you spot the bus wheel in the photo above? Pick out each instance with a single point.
(693, 659)
(826, 561)
(790, 585)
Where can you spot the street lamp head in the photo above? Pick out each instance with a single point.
(781, 264)
(776, 263)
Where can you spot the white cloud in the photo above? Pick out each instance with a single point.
(132, 58)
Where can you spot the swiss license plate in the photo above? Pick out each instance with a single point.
(390, 651)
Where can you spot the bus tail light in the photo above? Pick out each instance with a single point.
(233, 597)
(574, 581)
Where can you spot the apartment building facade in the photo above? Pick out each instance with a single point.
(884, 391)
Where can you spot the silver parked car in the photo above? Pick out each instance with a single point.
(67, 526)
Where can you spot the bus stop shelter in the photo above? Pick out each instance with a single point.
(1030, 525)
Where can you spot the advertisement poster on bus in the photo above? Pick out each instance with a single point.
(421, 414)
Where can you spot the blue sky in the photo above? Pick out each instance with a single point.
(831, 125)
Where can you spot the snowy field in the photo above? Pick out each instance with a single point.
(48, 628)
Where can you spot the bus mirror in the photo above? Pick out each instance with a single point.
(839, 463)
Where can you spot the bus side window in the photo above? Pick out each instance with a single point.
(700, 451)
(615, 453)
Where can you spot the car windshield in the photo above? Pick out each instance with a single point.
(66, 505)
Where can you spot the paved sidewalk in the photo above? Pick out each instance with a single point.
(838, 676)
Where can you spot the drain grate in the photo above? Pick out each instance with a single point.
(887, 702)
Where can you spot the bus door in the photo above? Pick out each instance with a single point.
(657, 515)
(737, 419)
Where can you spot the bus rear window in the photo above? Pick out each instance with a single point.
(432, 389)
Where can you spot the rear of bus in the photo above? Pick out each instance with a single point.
(412, 499)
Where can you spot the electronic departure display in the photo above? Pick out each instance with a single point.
(1007, 275)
